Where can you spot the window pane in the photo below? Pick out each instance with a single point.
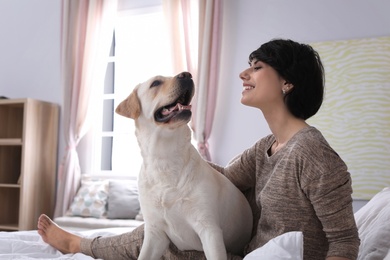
(106, 162)
(112, 48)
(126, 155)
(108, 108)
(139, 50)
(109, 79)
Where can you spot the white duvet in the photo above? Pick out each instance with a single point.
(29, 245)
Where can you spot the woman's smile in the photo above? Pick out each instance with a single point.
(247, 87)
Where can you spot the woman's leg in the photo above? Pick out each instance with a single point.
(55, 236)
(124, 246)
(128, 246)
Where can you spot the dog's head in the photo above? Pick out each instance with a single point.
(164, 100)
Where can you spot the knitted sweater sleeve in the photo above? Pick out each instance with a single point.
(327, 184)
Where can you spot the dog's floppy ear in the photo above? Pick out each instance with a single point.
(130, 107)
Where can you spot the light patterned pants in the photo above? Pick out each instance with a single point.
(128, 246)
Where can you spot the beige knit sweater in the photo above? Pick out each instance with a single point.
(305, 187)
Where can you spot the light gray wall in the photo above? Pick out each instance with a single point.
(30, 50)
(249, 23)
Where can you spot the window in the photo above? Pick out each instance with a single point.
(139, 51)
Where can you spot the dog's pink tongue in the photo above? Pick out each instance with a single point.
(178, 107)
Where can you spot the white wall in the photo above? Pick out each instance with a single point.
(30, 50)
(249, 23)
(30, 57)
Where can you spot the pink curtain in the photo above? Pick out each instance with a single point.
(205, 69)
(210, 31)
(87, 29)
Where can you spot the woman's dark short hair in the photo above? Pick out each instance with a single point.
(300, 65)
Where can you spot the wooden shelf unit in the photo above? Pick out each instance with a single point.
(28, 161)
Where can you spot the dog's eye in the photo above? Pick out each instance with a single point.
(156, 83)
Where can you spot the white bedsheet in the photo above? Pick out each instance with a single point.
(29, 245)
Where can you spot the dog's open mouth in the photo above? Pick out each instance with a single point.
(180, 107)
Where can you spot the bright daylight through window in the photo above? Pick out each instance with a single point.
(139, 51)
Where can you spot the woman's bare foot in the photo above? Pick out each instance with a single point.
(57, 237)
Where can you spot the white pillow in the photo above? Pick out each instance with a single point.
(387, 257)
(286, 246)
(373, 222)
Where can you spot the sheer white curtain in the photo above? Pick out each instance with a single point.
(87, 28)
(196, 29)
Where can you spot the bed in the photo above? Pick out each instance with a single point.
(373, 221)
(29, 245)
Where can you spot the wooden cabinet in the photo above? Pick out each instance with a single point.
(28, 159)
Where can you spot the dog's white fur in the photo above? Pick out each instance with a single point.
(183, 199)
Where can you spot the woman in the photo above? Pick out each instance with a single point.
(292, 178)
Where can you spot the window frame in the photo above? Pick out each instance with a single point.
(106, 129)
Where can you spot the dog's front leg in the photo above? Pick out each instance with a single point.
(154, 245)
(213, 244)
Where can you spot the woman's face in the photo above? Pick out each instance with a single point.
(262, 86)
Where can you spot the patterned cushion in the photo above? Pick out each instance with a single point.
(91, 199)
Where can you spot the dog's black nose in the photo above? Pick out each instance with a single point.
(184, 75)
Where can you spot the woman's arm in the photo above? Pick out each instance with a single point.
(329, 190)
(241, 170)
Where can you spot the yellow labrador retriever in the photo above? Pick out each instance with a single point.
(183, 199)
